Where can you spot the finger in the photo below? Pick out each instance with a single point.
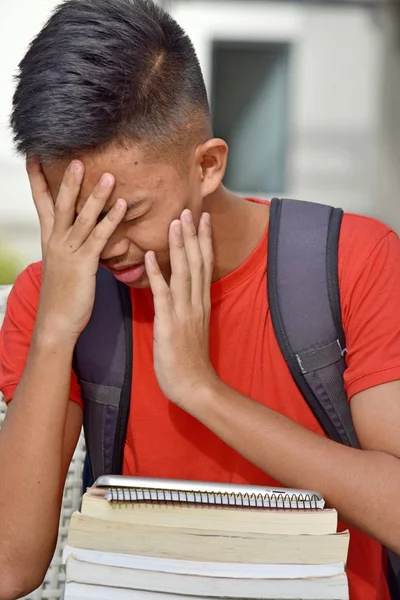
(104, 230)
(180, 283)
(206, 247)
(88, 217)
(41, 195)
(194, 257)
(65, 206)
(163, 303)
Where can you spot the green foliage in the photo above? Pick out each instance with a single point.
(9, 267)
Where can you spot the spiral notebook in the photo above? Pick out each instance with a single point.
(120, 489)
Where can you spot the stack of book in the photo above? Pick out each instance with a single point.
(138, 539)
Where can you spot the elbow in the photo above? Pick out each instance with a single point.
(18, 582)
(22, 568)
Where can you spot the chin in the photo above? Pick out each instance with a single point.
(142, 284)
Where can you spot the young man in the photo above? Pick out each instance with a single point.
(112, 113)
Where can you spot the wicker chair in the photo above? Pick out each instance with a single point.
(53, 585)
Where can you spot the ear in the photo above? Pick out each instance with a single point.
(211, 158)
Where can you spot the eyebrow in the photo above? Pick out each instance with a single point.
(131, 206)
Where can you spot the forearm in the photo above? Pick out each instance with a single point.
(31, 456)
(364, 486)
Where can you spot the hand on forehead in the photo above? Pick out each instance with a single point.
(135, 180)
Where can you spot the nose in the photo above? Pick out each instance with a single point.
(116, 246)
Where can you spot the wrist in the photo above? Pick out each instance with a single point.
(48, 337)
(205, 394)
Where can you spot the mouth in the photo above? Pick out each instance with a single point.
(129, 274)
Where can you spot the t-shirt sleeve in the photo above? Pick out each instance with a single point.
(369, 273)
(16, 333)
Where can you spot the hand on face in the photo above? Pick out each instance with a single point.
(71, 247)
(182, 310)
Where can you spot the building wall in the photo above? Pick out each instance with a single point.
(389, 156)
(20, 20)
(335, 101)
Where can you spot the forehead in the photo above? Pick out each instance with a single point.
(136, 177)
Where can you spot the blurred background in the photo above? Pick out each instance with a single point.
(305, 93)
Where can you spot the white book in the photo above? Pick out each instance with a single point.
(177, 579)
(206, 569)
(334, 589)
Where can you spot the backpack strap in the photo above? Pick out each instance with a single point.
(103, 363)
(304, 300)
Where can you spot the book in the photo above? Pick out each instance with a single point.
(206, 545)
(83, 591)
(119, 488)
(329, 580)
(170, 540)
(207, 569)
(273, 521)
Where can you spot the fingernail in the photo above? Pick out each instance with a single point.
(206, 218)
(120, 204)
(187, 215)
(76, 167)
(151, 257)
(106, 180)
(32, 160)
(178, 227)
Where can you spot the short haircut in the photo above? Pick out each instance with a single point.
(106, 71)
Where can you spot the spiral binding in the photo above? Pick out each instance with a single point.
(160, 496)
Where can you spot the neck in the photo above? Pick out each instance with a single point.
(238, 226)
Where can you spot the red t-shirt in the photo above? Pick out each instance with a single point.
(164, 441)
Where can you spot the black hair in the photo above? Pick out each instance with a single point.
(107, 70)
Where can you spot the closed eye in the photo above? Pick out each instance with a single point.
(129, 216)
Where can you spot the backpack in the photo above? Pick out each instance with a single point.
(302, 281)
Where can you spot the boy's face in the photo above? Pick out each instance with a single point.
(156, 194)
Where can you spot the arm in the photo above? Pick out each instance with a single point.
(357, 482)
(37, 442)
(42, 428)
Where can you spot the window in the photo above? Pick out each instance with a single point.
(249, 100)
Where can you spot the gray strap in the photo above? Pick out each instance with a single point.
(100, 361)
(303, 237)
(323, 370)
(102, 394)
(312, 360)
